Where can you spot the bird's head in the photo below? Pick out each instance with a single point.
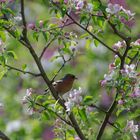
(69, 77)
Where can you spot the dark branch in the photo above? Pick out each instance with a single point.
(23, 19)
(64, 120)
(63, 65)
(99, 108)
(45, 48)
(24, 72)
(3, 136)
(93, 36)
(106, 119)
(113, 26)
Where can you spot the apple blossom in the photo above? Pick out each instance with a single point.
(113, 8)
(27, 96)
(118, 45)
(132, 128)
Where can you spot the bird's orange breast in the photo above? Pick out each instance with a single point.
(63, 87)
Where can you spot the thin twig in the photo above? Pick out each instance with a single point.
(63, 65)
(58, 27)
(99, 108)
(132, 59)
(45, 48)
(106, 119)
(64, 120)
(88, 21)
(112, 124)
(90, 33)
(113, 26)
(94, 36)
(102, 110)
(22, 71)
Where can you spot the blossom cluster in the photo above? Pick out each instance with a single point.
(119, 45)
(117, 10)
(75, 98)
(130, 127)
(79, 4)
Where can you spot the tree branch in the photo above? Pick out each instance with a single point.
(24, 72)
(64, 120)
(23, 19)
(3, 136)
(106, 119)
(113, 26)
(63, 65)
(45, 48)
(93, 36)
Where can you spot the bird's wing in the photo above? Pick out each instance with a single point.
(57, 82)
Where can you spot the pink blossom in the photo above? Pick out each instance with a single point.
(132, 128)
(89, 109)
(31, 26)
(48, 134)
(89, 7)
(120, 2)
(120, 102)
(130, 23)
(112, 67)
(118, 45)
(74, 98)
(79, 5)
(3, 1)
(77, 138)
(136, 92)
(113, 8)
(27, 96)
(136, 43)
(41, 22)
(103, 82)
(69, 104)
(66, 1)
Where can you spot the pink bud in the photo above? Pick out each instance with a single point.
(41, 22)
(120, 102)
(103, 83)
(111, 66)
(31, 26)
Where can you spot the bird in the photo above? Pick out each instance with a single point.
(64, 85)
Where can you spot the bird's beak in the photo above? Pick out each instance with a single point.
(76, 78)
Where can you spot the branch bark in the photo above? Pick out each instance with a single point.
(22, 71)
(3, 136)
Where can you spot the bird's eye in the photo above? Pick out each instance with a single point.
(73, 76)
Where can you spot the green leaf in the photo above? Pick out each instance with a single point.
(84, 35)
(96, 43)
(36, 36)
(2, 73)
(2, 60)
(46, 36)
(12, 54)
(82, 114)
(88, 42)
(24, 66)
(3, 36)
(45, 116)
(88, 99)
